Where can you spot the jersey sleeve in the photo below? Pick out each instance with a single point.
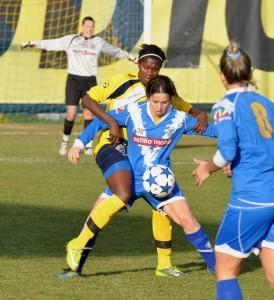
(180, 104)
(60, 44)
(91, 130)
(111, 50)
(191, 122)
(223, 115)
(101, 92)
(120, 115)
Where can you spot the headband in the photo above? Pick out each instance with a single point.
(234, 55)
(151, 54)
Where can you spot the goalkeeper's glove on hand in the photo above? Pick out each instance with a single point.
(133, 58)
(27, 44)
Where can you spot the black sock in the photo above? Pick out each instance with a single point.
(68, 125)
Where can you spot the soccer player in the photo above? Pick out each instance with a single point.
(117, 92)
(153, 128)
(83, 51)
(244, 120)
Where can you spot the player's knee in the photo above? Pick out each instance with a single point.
(123, 194)
(188, 222)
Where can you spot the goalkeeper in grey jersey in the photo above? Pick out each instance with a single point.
(83, 51)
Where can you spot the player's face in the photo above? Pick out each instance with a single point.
(88, 28)
(148, 68)
(159, 104)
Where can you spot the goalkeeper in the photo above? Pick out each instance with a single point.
(119, 91)
(83, 51)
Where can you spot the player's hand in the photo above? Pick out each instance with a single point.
(227, 171)
(74, 155)
(114, 133)
(133, 58)
(28, 44)
(202, 122)
(201, 173)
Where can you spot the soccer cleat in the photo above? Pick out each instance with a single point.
(64, 148)
(88, 151)
(88, 148)
(172, 271)
(68, 274)
(74, 254)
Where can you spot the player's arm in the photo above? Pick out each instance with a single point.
(111, 50)
(90, 132)
(227, 146)
(59, 44)
(191, 124)
(100, 93)
(202, 118)
(97, 110)
(184, 106)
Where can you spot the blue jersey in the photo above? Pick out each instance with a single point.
(245, 121)
(148, 143)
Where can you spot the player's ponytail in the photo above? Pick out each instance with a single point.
(236, 66)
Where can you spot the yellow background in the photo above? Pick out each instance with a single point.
(23, 82)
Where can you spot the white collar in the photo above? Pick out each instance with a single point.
(239, 90)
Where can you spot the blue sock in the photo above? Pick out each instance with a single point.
(200, 241)
(228, 290)
(85, 253)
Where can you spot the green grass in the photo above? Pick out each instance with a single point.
(44, 201)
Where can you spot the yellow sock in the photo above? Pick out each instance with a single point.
(104, 211)
(164, 261)
(100, 216)
(161, 227)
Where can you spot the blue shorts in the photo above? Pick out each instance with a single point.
(156, 203)
(111, 160)
(245, 230)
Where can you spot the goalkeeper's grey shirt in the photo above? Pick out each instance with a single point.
(82, 53)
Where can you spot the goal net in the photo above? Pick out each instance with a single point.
(33, 80)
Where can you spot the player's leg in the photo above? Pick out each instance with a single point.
(87, 115)
(267, 256)
(117, 172)
(227, 270)
(161, 228)
(241, 232)
(71, 112)
(267, 259)
(180, 212)
(73, 95)
(97, 220)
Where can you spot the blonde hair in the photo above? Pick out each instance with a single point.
(236, 65)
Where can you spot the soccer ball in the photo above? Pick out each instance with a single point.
(159, 180)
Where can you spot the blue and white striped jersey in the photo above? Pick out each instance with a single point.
(244, 121)
(148, 143)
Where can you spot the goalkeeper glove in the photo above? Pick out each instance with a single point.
(133, 58)
(27, 44)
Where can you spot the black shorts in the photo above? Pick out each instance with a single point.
(77, 87)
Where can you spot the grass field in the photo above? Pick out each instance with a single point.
(44, 201)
